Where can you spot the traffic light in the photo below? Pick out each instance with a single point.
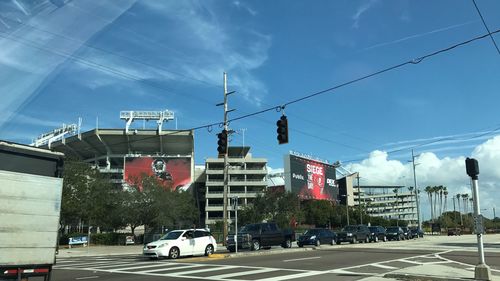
(222, 148)
(282, 130)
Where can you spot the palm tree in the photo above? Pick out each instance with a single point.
(435, 189)
(428, 190)
(464, 199)
(440, 190)
(445, 192)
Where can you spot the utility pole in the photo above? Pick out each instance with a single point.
(359, 201)
(494, 214)
(226, 178)
(417, 192)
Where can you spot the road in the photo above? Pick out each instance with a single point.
(345, 262)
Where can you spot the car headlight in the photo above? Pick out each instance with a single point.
(163, 245)
(313, 237)
(349, 234)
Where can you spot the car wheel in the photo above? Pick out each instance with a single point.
(287, 243)
(385, 239)
(318, 243)
(255, 245)
(354, 240)
(367, 239)
(338, 242)
(376, 239)
(209, 250)
(174, 253)
(399, 238)
(333, 241)
(300, 245)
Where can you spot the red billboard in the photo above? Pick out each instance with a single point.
(173, 173)
(311, 179)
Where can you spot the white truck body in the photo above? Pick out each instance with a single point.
(30, 205)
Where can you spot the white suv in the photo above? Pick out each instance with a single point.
(178, 243)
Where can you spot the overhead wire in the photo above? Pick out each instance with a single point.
(278, 107)
(486, 26)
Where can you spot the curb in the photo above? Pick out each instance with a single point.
(403, 276)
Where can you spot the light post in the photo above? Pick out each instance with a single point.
(417, 192)
(235, 206)
(481, 271)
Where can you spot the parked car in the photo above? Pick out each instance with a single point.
(317, 236)
(416, 232)
(353, 234)
(178, 243)
(454, 231)
(394, 233)
(377, 234)
(406, 232)
(260, 235)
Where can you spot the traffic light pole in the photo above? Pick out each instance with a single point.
(224, 216)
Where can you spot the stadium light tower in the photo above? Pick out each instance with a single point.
(159, 116)
(55, 135)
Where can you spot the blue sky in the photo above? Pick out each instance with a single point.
(61, 60)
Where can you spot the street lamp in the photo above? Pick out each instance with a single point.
(417, 192)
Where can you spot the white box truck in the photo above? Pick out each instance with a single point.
(30, 204)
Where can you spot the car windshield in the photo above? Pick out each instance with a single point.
(350, 228)
(392, 229)
(372, 228)
(172, 235)
(311, 232)
(250, 228)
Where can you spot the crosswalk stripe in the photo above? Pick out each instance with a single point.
(382, 266)
(167, 269)
(144, 266)
(118, 264)
(231, 275)
(293, 276)
(201, 270)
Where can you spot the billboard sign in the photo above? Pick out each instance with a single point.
(311, 179)
(172, 173)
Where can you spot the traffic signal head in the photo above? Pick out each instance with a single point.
(282, 130)
(222, 142)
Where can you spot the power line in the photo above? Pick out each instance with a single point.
(486, 26)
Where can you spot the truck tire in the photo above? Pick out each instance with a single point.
(255, 245)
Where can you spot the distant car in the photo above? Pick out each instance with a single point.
(178, 243)
(317, 236)
(454, 232)
(353, 234)
(406, 232)
(377, 234)
(129, 240)
(394, 233)
(416, 233)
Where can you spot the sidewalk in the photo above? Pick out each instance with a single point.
(436, 272)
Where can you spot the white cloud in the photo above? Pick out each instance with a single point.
(360, 11)
(431, 170)
(213, 48)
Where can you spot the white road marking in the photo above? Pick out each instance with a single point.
(293, 276)
(301, 259)
(382, 266)
(167, 269)
(256, 271)
(88, 277)
(144, 266)
(201, 270)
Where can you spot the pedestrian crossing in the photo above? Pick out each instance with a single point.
(227, 272)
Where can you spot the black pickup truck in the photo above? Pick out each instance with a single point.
(260, 235)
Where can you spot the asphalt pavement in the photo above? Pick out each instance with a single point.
(431, 258)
